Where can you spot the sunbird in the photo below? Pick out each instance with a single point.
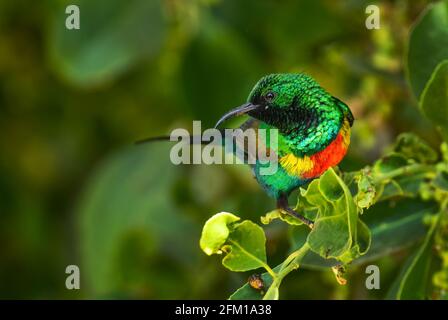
(313, 132)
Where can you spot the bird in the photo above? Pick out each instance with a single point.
(313, 129)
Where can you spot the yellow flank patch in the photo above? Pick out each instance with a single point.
(345, 132)
(296, 166)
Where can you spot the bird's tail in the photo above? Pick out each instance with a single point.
(192, 139)
(238, 148)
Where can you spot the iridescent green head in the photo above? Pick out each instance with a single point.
(299, 107)
(288, 101)
(281, 91)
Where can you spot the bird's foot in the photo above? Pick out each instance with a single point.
(282, 204)
(297, 215)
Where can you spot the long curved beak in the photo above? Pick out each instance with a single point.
(243, 109)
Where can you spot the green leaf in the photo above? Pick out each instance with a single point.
(216, 231)
(393, 227)
(389, 190)
(297, 237)
(130, 195)
(246, 247)
(389, 163)
(412, 147)
(337, 232)
(242, 242)
(408, 151)
(403, 186)
(246, 292)
(441, 180)
(428, 45)
(277, 214)
(113, 36)
(365, 196)
(412, 283)
(434, 99)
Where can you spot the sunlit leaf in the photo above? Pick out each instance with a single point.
(246, 247)
(277, 214)
(243, 243)
(216, 231)
(335, 233)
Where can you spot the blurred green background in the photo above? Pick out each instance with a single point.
(75, 190)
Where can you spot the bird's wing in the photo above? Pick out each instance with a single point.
(239, 145)
(259, 145)
(243, 144)
(345, 110)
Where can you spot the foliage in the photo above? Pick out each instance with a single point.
(340, 235)
(74, 190)
(336, 202)
(421, 64)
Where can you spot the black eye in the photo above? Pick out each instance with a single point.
(269, 96)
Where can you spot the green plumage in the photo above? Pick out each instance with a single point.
(312, 126)
(307, 117)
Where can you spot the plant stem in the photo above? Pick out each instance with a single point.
(290, 258)
(291, 263)
(295, 257)
(406, 170)
(270, 271)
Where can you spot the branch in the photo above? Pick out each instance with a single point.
(291, 263)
